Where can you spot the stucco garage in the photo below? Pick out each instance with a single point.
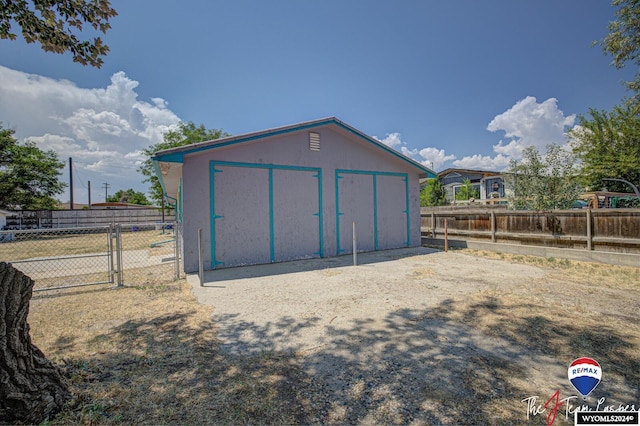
(290, 193)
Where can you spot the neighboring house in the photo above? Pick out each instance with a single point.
(291, 192)
(3, 218)
(488, 184)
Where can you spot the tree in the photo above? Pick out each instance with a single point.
(186, 134)
(467, 191)
(129, 196)
(32, 387)
(433, 194)
(29, 177)
(543, 182)
(54, 24)
(608, 144)
(623, 40)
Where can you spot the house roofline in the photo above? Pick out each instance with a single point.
(483, 172)
(176, 155)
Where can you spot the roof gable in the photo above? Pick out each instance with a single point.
(176, 155)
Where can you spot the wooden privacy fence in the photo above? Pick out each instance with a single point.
(601, 229)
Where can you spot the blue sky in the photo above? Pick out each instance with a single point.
(451, 83)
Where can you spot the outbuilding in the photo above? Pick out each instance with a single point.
(3, 218)
(291, 192)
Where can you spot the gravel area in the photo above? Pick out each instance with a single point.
(374, 336)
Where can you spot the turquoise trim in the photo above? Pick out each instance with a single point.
(178, 156)
(272, 246)
(338, 213)
(405, 178)
(174, 157)
(391, 151)
(370, 172)
(375, 212)
(270, 168)
(407, 211)
(214, 217)
(264, 166)
(319, 214)
(180, 200)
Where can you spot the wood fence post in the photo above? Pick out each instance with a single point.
(446, 235)
(493, 227)
(433, 225)
(589, 231)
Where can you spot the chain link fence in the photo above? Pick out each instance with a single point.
(131, 254)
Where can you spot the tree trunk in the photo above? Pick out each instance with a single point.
(31, 386)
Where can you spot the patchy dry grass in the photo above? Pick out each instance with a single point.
(573, 271)
(148, 354)
(61, 242)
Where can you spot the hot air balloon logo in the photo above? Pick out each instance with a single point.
(584, 375)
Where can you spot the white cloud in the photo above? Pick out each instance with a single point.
(434, 157)
(430, 157)
(391, 139)
(103, 129)
(529, 123)
(483, 162)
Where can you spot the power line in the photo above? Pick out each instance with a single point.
(106, 191)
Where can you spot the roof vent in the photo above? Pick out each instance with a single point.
(314, 141)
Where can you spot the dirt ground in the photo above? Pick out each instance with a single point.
(412, 336)
(404, 324)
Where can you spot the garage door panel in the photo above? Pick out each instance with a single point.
(356, 203)
(295, 214)
(241, 200)
(392, 216)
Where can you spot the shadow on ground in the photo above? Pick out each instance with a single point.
(413, 367)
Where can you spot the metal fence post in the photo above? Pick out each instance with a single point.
(355, 246)
(111, 236)
(200, 259)
(119, 254)
(176, 248)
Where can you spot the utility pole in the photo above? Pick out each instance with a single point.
(89, 190)
(106, 191)
(71, 183)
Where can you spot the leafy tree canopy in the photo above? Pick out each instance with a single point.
(433, 194)
(186, 134)
(29, 177)
(623, 40)
(129, 196)
(543, 182)
(608, 144)
(55, 23)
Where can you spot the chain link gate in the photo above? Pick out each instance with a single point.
(74, 257)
